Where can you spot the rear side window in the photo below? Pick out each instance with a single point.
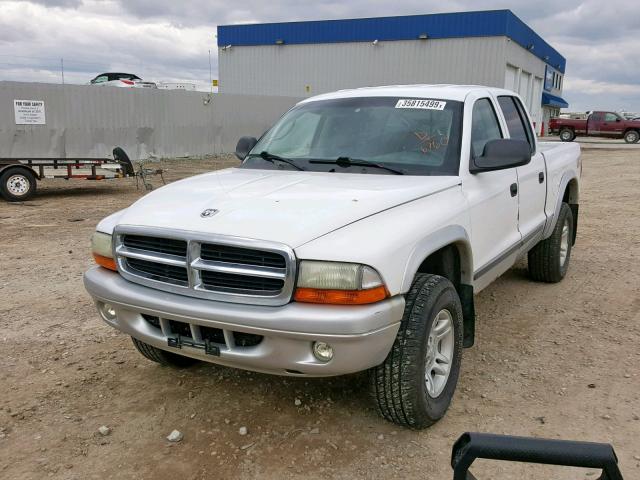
(484, 126)
(517, 123)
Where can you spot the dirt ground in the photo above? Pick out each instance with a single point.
(558, 361)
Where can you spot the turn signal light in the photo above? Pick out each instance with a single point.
(105, 262)
(340, 297)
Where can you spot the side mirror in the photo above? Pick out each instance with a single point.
(244, 146)
(501, 154)
(618, 119)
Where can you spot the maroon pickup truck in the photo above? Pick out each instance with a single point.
(598, 124)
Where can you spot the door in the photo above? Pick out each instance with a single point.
(493, 204)
(532, 181)
(612, 125)
(525, 85)
(594, 123)
(510, 77)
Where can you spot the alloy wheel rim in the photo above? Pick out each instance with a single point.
(564, 243)
(17, 185)
(439, 354)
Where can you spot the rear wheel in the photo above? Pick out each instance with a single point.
(567, 135)
(632, 136)
(415, 384)
(549, 259)
(17, 184)
(162, 357)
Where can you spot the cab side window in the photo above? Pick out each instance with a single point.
(517, 122)
(610, 117)
(100, 79)
(484, 126)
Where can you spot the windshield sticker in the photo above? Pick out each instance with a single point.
(424, 104)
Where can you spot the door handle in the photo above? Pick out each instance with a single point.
(514, 189)
(541, 177)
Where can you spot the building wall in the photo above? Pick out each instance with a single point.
(524, 73)
(310, 69)
(87, 121)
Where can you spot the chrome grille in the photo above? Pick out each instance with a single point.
(215, 267)
(159, 271)
(223, 281)
(169, 246)
(226, 253)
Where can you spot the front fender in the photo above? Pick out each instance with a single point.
(396, 241)
(451, 234)
(107, 224)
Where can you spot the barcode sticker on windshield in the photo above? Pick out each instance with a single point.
(417, 103)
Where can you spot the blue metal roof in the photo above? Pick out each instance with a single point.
(440, 25)
(553, 101)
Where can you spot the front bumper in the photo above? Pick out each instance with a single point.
(361, 336)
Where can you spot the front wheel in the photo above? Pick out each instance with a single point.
(414, 386)
(632, 136)
(17, 184)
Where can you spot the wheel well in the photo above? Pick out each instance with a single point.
(20, 167)
(631, 129)
(447, 262)
(571, 192)
(570, 197)
(444, 262)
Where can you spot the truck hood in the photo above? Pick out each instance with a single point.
(285, 206)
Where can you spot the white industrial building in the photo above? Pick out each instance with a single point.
(299, 59)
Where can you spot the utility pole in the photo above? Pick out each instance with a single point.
(62, 69)
(210, 80)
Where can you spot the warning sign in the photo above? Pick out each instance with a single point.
(29, 112)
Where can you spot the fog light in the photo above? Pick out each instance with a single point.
(322, 351)
(106, 311)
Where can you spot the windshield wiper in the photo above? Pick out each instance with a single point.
(356, 162)
(270, 157)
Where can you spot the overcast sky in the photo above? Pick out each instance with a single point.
(169, 40)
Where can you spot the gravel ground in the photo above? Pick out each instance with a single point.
(559, 361)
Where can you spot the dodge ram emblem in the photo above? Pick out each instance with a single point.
(209, 212)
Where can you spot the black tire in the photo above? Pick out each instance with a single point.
(162, 357)
(632, 136)
(398, 384)
(545, 259)
(567, 135)
(17, 184)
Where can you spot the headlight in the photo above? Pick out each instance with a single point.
(102, 250)
(338, 283)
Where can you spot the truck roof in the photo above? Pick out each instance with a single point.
(444, 91)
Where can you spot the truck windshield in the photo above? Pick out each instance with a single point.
(409, 135)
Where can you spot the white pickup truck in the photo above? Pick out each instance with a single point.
(353, 236)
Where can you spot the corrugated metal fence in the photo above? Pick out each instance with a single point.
(88, 121)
